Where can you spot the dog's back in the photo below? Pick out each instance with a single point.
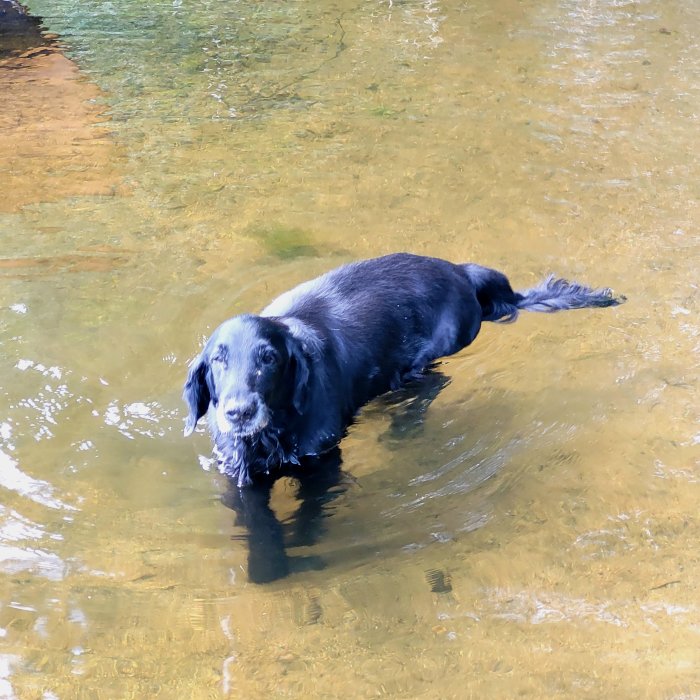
(387, 317)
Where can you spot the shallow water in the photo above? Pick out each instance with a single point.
(535, 532)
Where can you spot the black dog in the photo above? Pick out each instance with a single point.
(285, 385)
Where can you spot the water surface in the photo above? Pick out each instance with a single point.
(534, 533)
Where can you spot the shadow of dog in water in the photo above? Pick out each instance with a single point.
(320, 482)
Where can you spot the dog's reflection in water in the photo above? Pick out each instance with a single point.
(319, 483)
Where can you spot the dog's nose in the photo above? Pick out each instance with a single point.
(241, 411)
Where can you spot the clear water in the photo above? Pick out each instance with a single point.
(536, 533)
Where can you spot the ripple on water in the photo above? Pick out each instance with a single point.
(25, 544)
(57, 426)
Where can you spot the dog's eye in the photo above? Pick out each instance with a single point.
(268, 358)
(220, 355)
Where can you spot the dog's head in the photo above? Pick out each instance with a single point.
(251, 368)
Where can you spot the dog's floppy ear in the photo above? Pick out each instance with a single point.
(300, 370)
(196, 393)
(303, 346)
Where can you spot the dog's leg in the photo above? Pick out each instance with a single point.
(409, 404)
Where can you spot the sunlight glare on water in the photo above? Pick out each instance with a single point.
(531, 532)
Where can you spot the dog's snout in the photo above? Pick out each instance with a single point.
(241, 411)
(241, 415)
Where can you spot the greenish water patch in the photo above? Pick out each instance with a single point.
(208, 60)
(284, 242)
(385, 112)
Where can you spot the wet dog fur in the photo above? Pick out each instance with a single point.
(284, 385)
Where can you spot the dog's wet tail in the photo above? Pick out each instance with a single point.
(500, 303)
